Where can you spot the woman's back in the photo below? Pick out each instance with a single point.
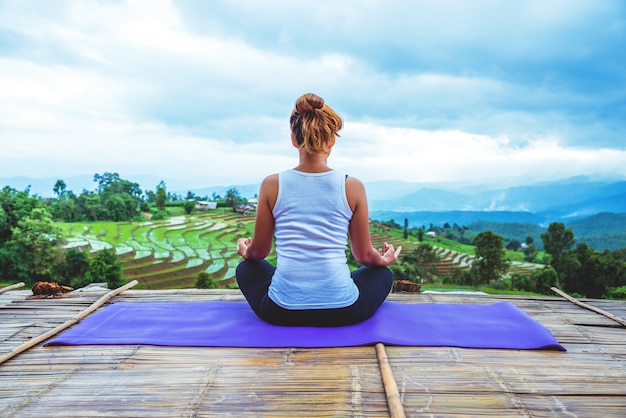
(312, 216)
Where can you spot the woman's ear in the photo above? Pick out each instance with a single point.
(293, 140)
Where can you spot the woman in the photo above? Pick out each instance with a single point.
(311, 210)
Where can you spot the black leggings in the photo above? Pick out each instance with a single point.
(254, 279)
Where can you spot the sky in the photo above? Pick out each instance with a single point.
(200, 92)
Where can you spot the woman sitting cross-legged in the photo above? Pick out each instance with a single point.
(311, 210)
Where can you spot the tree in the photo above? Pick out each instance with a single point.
(530, 250)
(232, 195)
(557, 240)
(92, 207)
(419, 263)
(33, 246)
(405, 232)
(59, 188)
(596, 272)
(491, 260)
(75, 266)
(14, 206)
(103, 267)
(513, 245)
(106, 180)
(161, 198)
(544, 279)
(189, 206)
(402, 270)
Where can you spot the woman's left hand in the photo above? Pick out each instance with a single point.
(389, 254)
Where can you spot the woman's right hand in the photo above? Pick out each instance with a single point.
(242, 246)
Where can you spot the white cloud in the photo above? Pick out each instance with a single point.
(382, 153)
(433, 91)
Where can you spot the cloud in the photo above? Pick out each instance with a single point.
(430, 91)
(455, 156)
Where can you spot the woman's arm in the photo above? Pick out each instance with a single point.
(260, 245)
(359, 229)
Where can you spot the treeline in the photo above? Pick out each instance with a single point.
(582, 270)
(599, 231)
(119, 200)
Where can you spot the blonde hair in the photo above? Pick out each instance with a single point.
(314, 124)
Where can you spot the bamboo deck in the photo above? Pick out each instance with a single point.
(589, 380)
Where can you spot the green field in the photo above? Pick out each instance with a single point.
(169, 254)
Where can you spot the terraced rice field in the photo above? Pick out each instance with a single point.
(450, 260)
(168, 254)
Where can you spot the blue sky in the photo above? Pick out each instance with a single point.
(199, 93)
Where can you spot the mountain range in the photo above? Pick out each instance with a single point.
(540, 203)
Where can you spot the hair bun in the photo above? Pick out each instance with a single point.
(308, 103)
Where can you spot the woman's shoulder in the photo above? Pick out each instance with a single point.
(355, 193)
(272, 178)
(354, 184)
(269, 183)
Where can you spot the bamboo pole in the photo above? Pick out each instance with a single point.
(97, 304)
(396, 410)
(591, 308)
(12, 287)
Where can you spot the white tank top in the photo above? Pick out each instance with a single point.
(312, 217)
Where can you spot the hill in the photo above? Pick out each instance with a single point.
(604, 230)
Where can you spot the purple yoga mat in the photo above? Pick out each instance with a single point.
(233, 324)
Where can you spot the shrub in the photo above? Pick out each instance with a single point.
(204, 281)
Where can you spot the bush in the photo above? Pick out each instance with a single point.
(159, 215)
(204, 281)
(499, 285)
(104, 267)
(521, 282)
(618, 293)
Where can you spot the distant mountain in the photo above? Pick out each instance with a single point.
(45, 187)
(562, 200)
(600, 231)
(459, 217)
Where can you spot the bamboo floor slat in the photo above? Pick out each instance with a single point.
(588, 380)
